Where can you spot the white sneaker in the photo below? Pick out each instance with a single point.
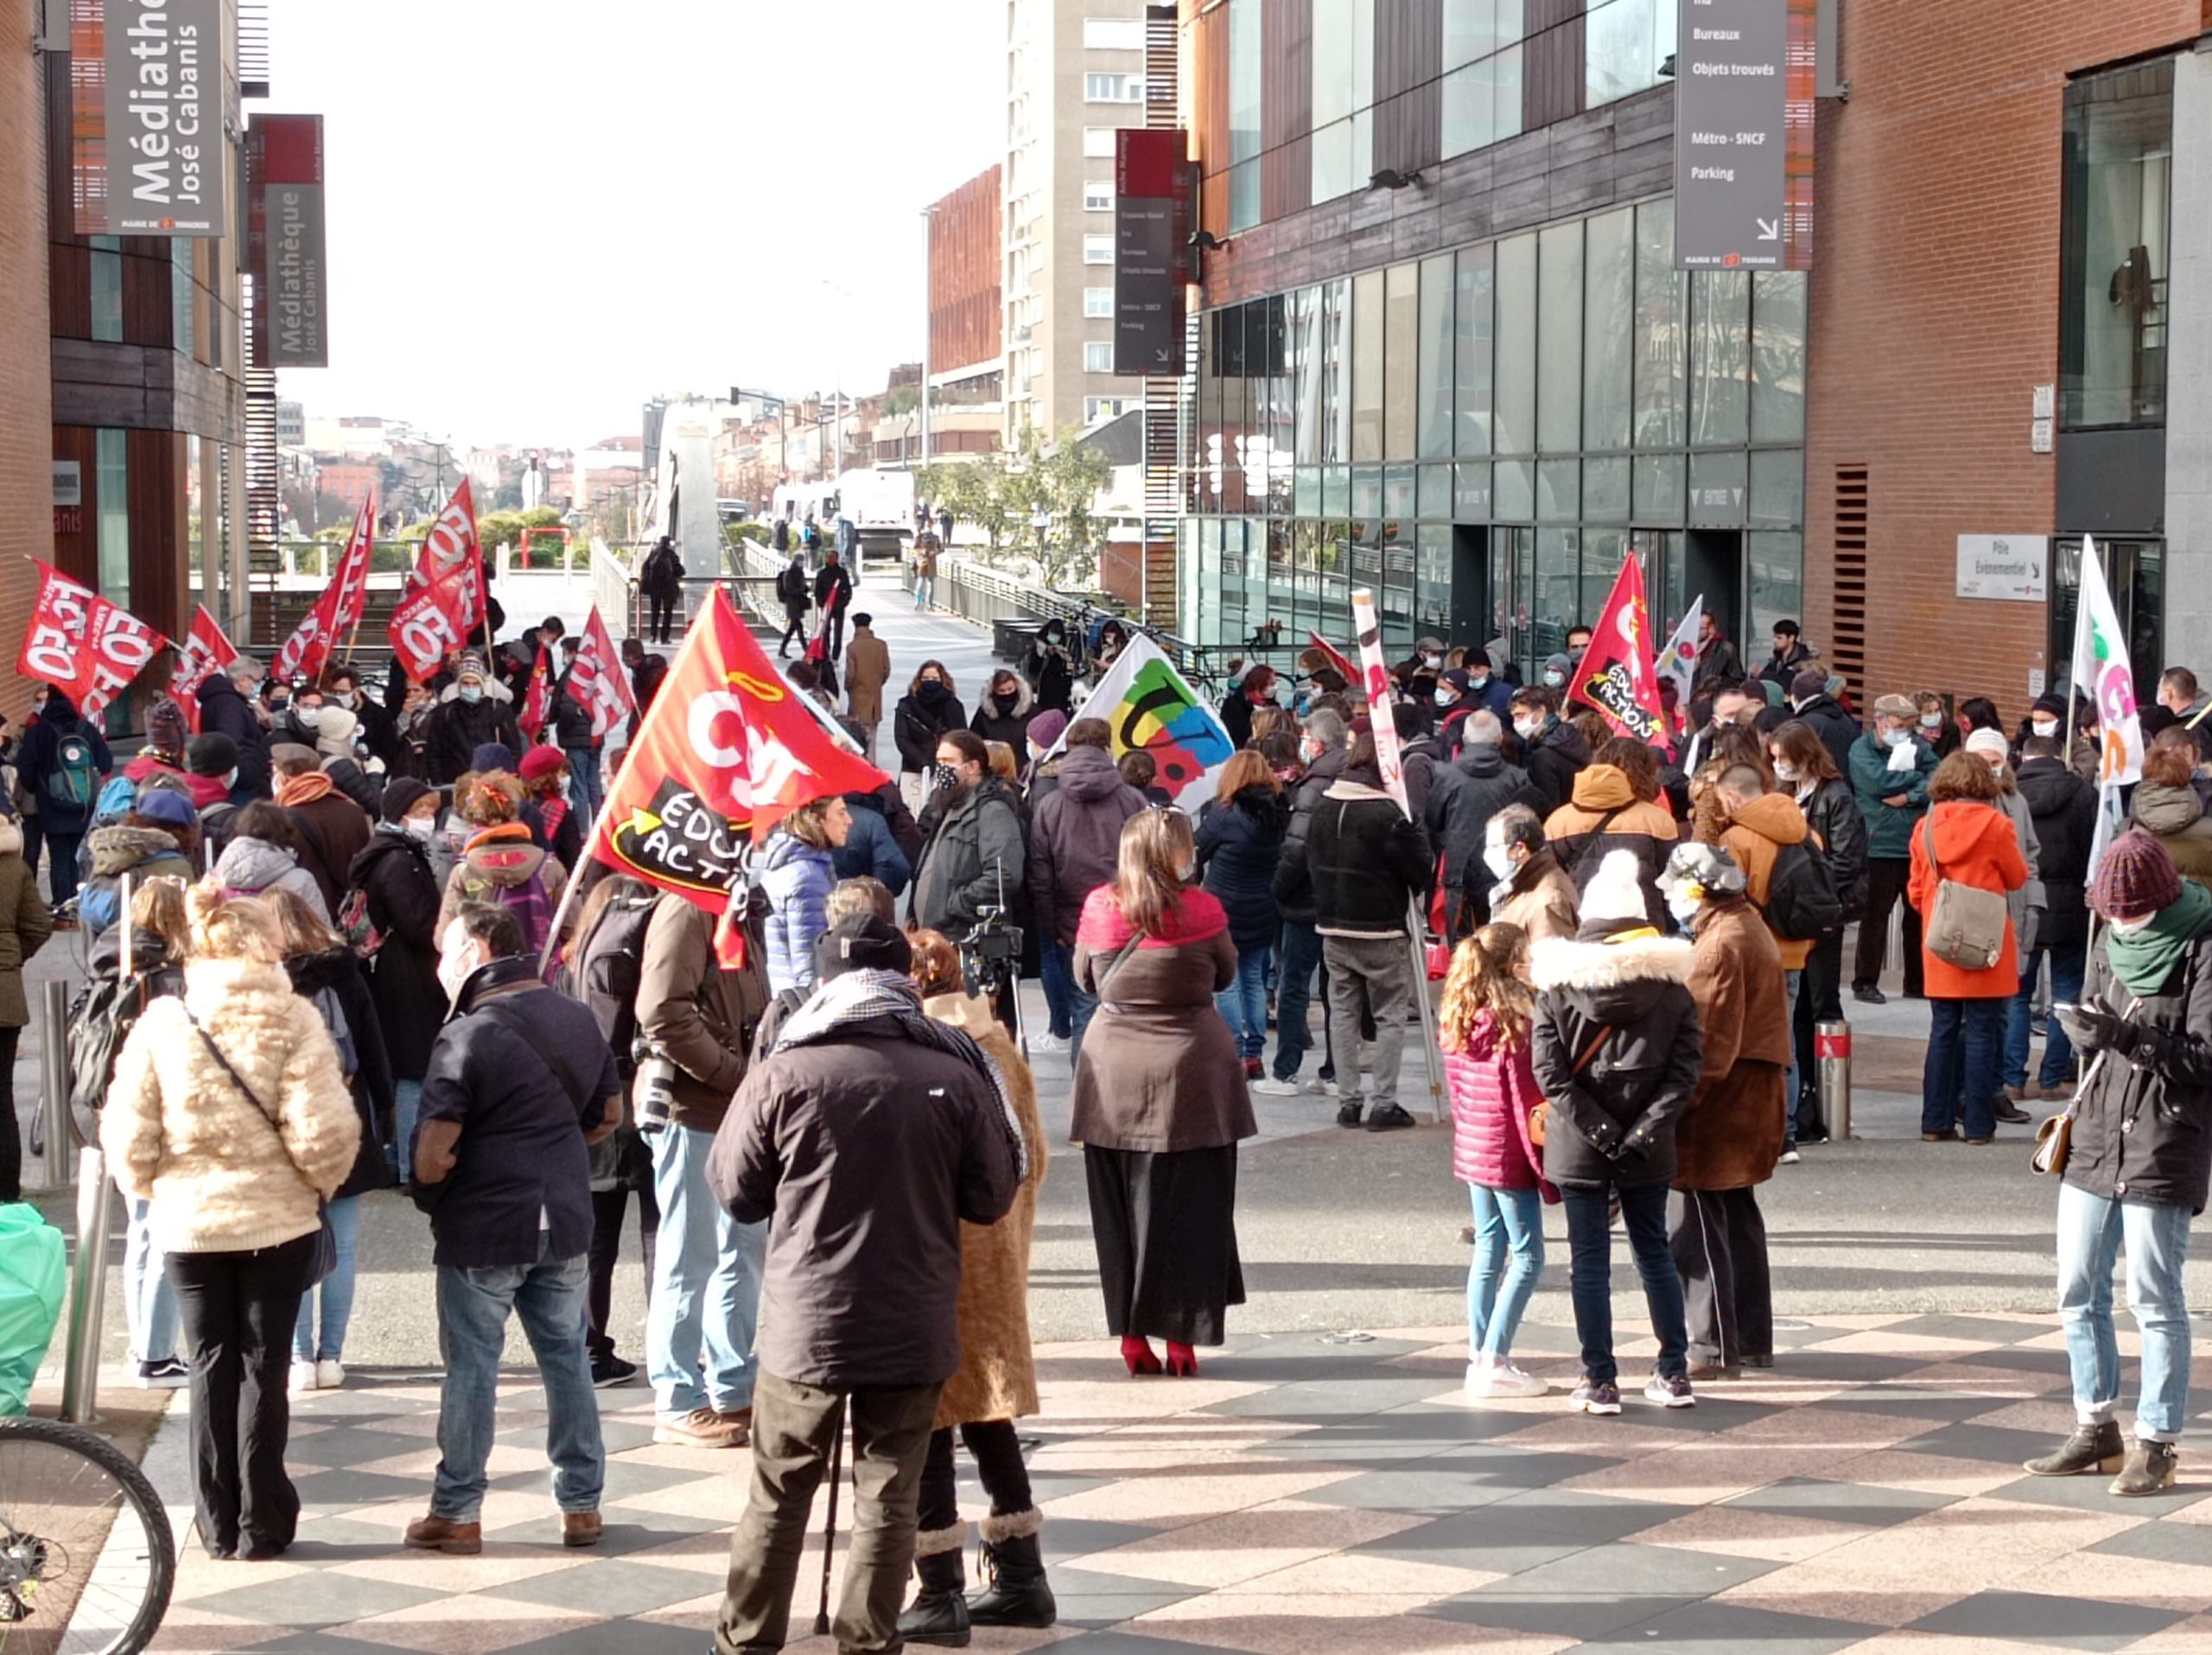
(1486, 1378)
(1040, 1043)
(303, 1377)
(1788, 1158)
(329, 1374)
(1271, 1088)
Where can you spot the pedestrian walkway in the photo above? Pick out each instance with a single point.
(1316, 1492)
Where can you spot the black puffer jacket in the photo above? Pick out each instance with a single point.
(1239, 841)
(1294, 885)
(224, 711)
(1837, 729)
(1365, 859)
(1462, 798)
(2065, 810)
(1831, 812)
(918, 720)
(394, 869)
(2143, 1130)
(332, 981)
(1613, 1122)
(1553, 761)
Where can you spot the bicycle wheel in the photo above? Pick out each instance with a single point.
(86, 1558)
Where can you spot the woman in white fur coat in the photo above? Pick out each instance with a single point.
(228, 1114)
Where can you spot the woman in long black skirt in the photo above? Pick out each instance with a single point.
(1159, 1098)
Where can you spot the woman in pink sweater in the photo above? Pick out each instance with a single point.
(1485, 1029)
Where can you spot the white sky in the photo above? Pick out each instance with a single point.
(542, 213)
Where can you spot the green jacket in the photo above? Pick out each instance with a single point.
(1889, 827)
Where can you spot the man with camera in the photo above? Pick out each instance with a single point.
(695, 1021)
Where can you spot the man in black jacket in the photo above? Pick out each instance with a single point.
(1811, 703)
(1790, 655)
(2065, 810)
(227, 708)
(467, 717)
(833, 595)
(863, 1138)
(791, 591)
(1462, 798)
(1367, 861)
(1322, 747)
(1552, 751)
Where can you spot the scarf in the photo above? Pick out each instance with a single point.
(2144, 960)
(295, 790)
(865, 995)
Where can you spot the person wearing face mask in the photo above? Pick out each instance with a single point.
(466, 717)
(2139, 1162)
(2182, 702)
(1557, 669)
(214, 756)
(1811, 703)
(1578, 641)
(1803, 769)
(355, 774)
(1322, 749)
(1003, 713)
(1935, 726)
(927, 710)
(975, 855)
(1463, 798)
(1047, 666)
(1552, 751)
(1762, 825)
(1532, 891)
(396, 887)
(1257, 688)
(1889, 767)
(2026, 904)
(2064, 809)
(1729, 1138)
(225, 709)
(380, 730)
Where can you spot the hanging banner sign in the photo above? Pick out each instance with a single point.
(1744, 88)
(147, 145)
(285, 241)
(1148, 278)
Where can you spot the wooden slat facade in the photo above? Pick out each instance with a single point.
(1408, 58)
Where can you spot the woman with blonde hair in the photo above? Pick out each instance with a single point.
(1240, 840)
(996, 1382)
(1482, 1026)
(229, 1114)
(327, 974)
(501, 862)
(1159, 1098)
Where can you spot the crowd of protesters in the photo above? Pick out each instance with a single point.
(356, 973)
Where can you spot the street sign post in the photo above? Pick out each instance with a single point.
(1148, 175)
(1743, 135)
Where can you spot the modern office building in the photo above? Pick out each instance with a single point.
(967, 322)
(1074, 72)
(1445, 352)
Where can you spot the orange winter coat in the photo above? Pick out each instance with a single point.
(1976, 846)
(1755, 839)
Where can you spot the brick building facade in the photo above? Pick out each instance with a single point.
(26, 399)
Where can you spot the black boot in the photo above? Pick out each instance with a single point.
(2149, 1469)
(2092, 1447)
(939, 1612)
(1018, 1596)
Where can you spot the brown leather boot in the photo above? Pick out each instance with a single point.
(435, 1533)
(580, 1528)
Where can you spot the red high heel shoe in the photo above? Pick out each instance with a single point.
(1138, 1354)
(1182, 1361)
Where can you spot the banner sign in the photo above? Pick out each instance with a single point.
(1146, 703)
(597, 682)
(337, 611)
(148, 153)
(1615, 674)
(1382, 696)
(1744, 90)
(207, 650)
(285, 242)
(81, 644)
(1148, 283)
(444, 602)
(537, 696)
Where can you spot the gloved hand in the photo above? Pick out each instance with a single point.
(2094, 1027)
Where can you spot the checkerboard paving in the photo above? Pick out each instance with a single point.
(1308, 1495)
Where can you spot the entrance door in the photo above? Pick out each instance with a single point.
(1713, 566)
(1473, 591)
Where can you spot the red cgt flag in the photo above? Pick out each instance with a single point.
(538, 696)
(81, 643)
(207, 651)
(1616, 675)
(597, 682)
(723, 753)
(337, 611)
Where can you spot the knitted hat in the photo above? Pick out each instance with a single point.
(170, 809)
(1457, 678)
(541, 761)
(1047, 728)
(860, 941)
(470, 662)
(402, 794)
(1808, 683)
(2135, 878)
(165, 728)
(1558, 664)
(1616, 891)
(491, 755)
(1709, 868)
(2053, 706)
(334, 732)
(1989, 740)
(211, 755)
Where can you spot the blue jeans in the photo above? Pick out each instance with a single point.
(925, 588)
(2090, 1229)
(1072, 1007)
(336, 1291)
(406, 1103)
(585, 791)
(706, 1285)
(1790, 981)
(2066, 972)
(149, 1302)
(1508, 1257)
(1963, 1036)
(1243, 1004)
(1590, 1241)
(472, 1306)
(1301, 955)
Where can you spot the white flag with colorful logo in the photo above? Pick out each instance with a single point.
(2101, 672)
(1146, 703)
(1678, 660)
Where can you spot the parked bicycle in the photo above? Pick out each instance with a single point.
(87, 1560)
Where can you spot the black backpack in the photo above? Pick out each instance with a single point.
(1801, 895)
(106, 1011)
(607, 969)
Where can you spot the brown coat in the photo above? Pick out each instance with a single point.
(997, 1378)
(1730, 1136)
(1755, 838)
(868, 666)
(25, 924)
(1159, 1070)
(701, 1014)
(1543, 902)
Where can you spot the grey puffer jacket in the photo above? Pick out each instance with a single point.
(249, 867)
(975, 852)
(1076, 838)
(1465, 794)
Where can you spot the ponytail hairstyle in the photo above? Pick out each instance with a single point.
(218, 926)
(1486, 976)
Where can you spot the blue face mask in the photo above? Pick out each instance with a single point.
(472, 692)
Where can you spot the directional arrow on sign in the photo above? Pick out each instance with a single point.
(1769, 229)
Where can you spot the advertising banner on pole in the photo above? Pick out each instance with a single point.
(1148, 292)
(148, 154)
(285, 247)
(1743, 87)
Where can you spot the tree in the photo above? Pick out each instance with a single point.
(1065, 486)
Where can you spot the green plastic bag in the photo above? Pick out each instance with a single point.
(33, 1270)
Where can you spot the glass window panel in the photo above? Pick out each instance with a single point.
(1432, 579)
(1435, 502)
(1465, 97)
(112, 495)
(1470, 492)
(1398, 493)
(1331, 152)
(1515, 501)
(1335, 490)
(1335, 370)
(1305, 496)
(1505, 94)
(1778, 581)
(1777, 488)
(1720, 350)
(1306, 393)
(1558, 341)
(1604, 490)
(1514, 427)
(1602, 552)
(1437, 350)
(1658, 487)
(1367, 366)
(2115, 248)
(1470, 31)
(1661, 332)
(1608, 304)
(1362, 148)
(182, 295)
(1334, 99)
(107, 288)
(1620, 54)
(1400, 353)
(1559, 490)
(1778, 356)
(1476, 280)
(1246, 78)
(1243, 196)
(1367, 492)
(1559, 587)
(1718, 484)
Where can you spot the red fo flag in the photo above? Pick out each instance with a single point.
(337, 612)
(81, 644)
(722, 755)
(207, 651)
(452, 559)
(596, 680)
(1616, 675)
(1338, 659)
(538, 696)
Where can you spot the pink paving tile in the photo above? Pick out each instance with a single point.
(1344, 1573)
(1928, 1473)
(2184, 1587)
(1167, 1498)
(1870, 1602)
(1929, 1643)
(199, 1576)
(2191, 1637)
(700, 1614)
(2054, 1418)
(499, 1563)
(1076, 1401)
(1236, 1547)
(1843, 1431)
(505, 1460)
(185, 1628)
(1298, 1632)
(1735, 1532)
(1882, 1341)
(466, 1626)
(1704, 1471)
(1973, 1376)
(1557, 1432)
